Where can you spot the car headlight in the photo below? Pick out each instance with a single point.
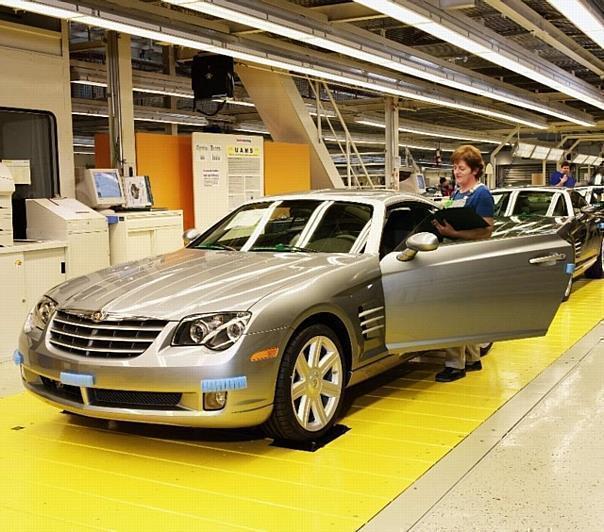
(42, 312)
(216, 331)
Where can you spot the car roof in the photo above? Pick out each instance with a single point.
(536, 188)
(357, 195)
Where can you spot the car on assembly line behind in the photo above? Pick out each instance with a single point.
(268, 316)
(582, 222)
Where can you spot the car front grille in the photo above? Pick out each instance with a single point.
(131, 399)
(114, 398)
(80, 335)
(65, 391)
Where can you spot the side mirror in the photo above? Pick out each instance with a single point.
(189, 235)
(418, 242)
(589, 209)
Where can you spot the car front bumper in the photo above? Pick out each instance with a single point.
(165, 385)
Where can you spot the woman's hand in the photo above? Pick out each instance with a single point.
(445, 228)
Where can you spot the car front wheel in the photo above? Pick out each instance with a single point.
(310, 386)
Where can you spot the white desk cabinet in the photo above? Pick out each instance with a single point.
(137, 235)
(27, 271)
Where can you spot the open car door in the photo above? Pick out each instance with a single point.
(474, 291)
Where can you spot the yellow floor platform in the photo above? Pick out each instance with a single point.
(61, 472)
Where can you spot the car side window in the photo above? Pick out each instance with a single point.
(501, 203)
(401, 221)
(560, 207)
(577, 201)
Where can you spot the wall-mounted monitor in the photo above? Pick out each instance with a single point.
(100, 188)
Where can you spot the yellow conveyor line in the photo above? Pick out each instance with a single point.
(62, 472)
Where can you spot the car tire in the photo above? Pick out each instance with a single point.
(595, 270)
(310, 386)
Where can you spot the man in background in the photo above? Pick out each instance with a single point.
(562, 178)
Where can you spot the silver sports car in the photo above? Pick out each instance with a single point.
(268, 316)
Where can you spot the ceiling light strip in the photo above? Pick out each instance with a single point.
(164, 34)
(366, 51)
(441, 133)
(583, 17)
(430, 19)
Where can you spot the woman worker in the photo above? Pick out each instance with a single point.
(467, 169)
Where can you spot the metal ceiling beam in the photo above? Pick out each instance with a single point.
(544, 30)
(419, 87)
(464, 32)
(297, 23)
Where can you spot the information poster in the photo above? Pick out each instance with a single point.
(227, 171)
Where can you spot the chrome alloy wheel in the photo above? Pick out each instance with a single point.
(317, 383)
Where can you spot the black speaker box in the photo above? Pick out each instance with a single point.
(212, 77)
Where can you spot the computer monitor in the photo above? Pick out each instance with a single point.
(100, 188)
(137, 190)
(421, 182)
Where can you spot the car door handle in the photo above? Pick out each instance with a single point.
(548, 259)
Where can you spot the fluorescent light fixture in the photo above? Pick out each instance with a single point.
(251, 130)
(231, 101)
(480, 45)
(160, 92)
(540, 152)
(524, 150)
(555, 154)
(430, 133)
(369, 52)
(90, 83)
(179, 38)
(580, 158)
(583, 17)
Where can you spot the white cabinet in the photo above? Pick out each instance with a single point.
(84, 230)
(137, 235)
(27, 271)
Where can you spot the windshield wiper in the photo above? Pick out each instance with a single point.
(215, 245)
(283, 247)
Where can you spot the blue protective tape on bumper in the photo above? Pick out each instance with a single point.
(112, 219)
(76, 379)
(17, 357)
(224, 385)
(570, 268)
(601, 225)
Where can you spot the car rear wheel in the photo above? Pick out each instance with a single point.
(595, 270)
(310, 386)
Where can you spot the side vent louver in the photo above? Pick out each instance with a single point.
(371, 320)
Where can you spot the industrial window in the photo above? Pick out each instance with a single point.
(31, 137)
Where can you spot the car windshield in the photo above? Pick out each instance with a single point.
(531, 202)
(291, 226)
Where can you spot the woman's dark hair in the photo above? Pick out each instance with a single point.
(471, 156)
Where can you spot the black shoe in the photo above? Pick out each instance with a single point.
(450, 374)
(474, 366)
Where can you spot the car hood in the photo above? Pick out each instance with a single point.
(193, 281)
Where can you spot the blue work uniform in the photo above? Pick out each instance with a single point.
(481, 200)
(478, 198)
(557, 176)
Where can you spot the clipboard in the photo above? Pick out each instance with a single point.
(461, 218)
